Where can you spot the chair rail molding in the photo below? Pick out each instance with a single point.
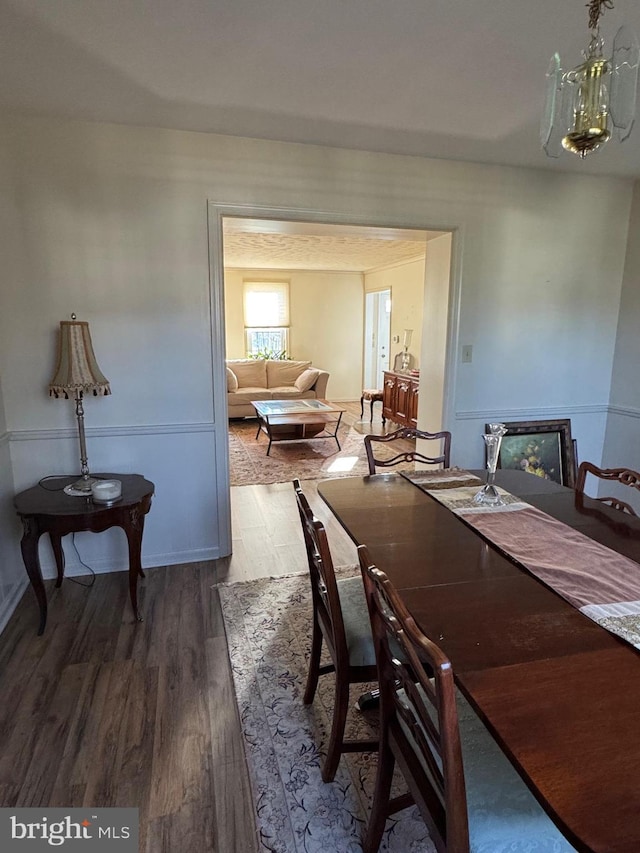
(143, 429)
(543, 413)
(625, 411)
(5, 437)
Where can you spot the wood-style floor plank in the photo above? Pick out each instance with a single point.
(102, 710)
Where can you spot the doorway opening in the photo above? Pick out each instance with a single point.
(359, 301)
(377, 336)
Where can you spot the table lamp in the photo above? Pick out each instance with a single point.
(406, 358)
(77, 373)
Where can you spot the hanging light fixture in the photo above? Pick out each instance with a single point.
(583, 105)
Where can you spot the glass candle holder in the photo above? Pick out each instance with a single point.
(489, 494)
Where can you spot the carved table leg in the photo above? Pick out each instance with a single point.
(29, 548)
(133, 529)
(58, 553)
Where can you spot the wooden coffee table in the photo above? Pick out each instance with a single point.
(297, 420)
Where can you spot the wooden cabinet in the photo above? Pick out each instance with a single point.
(400, 398)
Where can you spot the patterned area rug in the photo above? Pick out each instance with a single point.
(307, 460)
(268, 631)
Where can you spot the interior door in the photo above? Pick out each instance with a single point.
(377, 338)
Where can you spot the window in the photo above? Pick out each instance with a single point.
(266, 317)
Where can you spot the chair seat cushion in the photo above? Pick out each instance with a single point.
(357, 627)
(504, 816)
(372, 394)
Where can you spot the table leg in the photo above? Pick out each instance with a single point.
(335, 435)
(361, 408)
(133, 529)
(58, 553)
(29, 548)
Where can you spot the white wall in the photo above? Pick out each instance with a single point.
(110, 222)
(437, 297)
(406, 282)
(326, 314)
(622, 445)
(13, 577)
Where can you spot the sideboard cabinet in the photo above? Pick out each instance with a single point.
(400, 398)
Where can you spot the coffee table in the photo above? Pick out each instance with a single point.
(297, 420)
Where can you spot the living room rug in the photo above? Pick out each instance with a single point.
(306, 460)
(268, 624)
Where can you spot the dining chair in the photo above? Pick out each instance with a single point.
(341, 619)
(469, 795)
(625, 476)
(404, 455)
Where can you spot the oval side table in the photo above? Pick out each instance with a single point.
(48, 510)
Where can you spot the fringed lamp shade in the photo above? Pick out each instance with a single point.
(77, 373)
(77, 369)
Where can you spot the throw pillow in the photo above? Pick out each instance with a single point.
(232, 380)
(307, 379)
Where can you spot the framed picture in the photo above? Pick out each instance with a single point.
(544, 448)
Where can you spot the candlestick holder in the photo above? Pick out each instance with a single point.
(489, 494)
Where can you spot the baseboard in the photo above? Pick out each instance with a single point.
(149, 561)
(10, 603)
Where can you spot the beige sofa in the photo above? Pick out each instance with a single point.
(263, 379)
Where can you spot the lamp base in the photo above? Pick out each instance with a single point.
(81, 487)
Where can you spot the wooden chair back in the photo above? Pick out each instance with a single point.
(408, 433)
(324, 589)
(431, 758)
(625, 476)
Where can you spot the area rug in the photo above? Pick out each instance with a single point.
(306, 460)
(267, 624)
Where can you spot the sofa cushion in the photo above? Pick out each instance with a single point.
(232, 380)
(281, 373)
(245, 395)
(251, 372)
(307, 379)
(290, 392)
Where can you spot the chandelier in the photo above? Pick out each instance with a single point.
(584, 104)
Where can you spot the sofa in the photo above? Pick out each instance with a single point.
(266, 379)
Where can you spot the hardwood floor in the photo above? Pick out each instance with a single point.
(102, 711)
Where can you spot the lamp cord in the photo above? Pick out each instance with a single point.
(82, 563)
(41, 483)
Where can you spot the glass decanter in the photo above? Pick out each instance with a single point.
(489, 494)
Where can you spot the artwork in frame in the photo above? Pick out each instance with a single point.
(543, 448)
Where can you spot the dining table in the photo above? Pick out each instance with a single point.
(559, 692)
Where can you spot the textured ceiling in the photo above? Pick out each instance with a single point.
(350, 254)
(271, 244)
(454, 79)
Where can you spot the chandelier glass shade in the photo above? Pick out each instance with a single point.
(586, 105)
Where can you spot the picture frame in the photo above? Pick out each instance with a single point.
(544, 448)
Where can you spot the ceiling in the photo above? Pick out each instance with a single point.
(276, 244)
(454, 79)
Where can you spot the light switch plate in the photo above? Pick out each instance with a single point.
(467, 354)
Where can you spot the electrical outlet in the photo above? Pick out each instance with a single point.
(467, 354)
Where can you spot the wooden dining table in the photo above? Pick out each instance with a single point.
(559, 693)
